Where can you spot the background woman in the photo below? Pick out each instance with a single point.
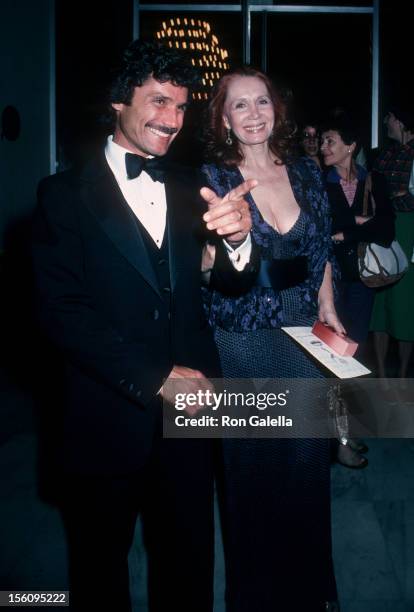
(276, 498)
(309, 142)
(394, 305)
(345, 185)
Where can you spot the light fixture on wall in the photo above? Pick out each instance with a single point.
(196, 37)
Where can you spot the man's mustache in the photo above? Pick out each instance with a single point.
(163, 128)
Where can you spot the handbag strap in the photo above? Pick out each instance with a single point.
(367, 193)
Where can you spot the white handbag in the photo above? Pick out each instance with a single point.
(379, 266)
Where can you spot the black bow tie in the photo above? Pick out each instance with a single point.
(135, 164)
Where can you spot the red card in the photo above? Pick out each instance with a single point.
(340, 344)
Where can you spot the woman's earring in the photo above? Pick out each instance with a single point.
(229, 140)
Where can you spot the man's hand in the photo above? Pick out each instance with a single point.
(186, 380)
(229, 216)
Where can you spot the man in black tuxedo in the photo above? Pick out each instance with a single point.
(117, 251)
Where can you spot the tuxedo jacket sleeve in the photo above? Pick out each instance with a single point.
(69, 309)
(101, 303)
(97, 292)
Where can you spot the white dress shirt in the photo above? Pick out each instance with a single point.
(147, 200)
(145, 197)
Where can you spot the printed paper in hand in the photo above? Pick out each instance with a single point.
(342, 367)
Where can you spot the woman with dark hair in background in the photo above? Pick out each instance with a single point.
(309, 142)
(276, 492)
(346, 184)
(394, 305)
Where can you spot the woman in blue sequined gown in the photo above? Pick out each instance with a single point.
(275, 494)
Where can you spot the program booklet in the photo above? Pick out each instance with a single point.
(341, 366)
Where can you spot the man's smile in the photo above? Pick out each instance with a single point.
(161, 130)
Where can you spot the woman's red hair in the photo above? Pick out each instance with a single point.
(218, 151)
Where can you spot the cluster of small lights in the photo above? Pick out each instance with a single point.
(195, 36)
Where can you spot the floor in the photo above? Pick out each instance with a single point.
(373, 522)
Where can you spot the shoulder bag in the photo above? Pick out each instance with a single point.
(379, 266)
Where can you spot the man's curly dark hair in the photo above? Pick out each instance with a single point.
(143, 59)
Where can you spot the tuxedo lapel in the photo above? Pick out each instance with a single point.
(181, 223)
(102, 196)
